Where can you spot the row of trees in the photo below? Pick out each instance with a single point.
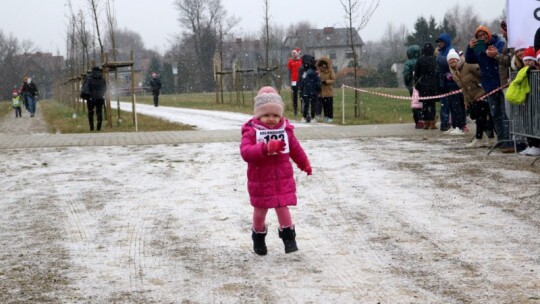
(92, 31)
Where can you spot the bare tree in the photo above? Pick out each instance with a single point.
(94, 7)
(111, 23)
(357, 15)
(200, 17)
(465, 19)
(224, 28)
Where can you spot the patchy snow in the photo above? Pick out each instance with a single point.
(383, 220)
(201, 119)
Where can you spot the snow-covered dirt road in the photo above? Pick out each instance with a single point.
(383, 220)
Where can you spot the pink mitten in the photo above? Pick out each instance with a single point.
(274, 146)
(306, 167)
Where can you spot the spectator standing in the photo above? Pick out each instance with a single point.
(328, 77)
(449, 104)
(293, 65)
(155, 86)
(427, 83)
(483, 49)
(16, 104)
(467, 77)
(97, 87)
(268, 143)
(413, 52)
(30, 92)
(455, 102)
(310, 87)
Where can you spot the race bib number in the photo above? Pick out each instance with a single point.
(293, 83)
(266, 135)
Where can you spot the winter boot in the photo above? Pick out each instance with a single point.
(259, 245)
(288, 236)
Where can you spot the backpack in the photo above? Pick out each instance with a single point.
(85, 89)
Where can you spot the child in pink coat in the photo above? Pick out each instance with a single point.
(268, 141)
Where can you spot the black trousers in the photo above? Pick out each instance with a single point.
(328, 106)
(97, 106)
(295, 99)
(309, 103)
(156, 97)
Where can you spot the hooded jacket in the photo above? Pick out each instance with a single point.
(413, 53)
(489, 67)
(327, 75)
(467, 77)
(270, 177)
(446, 82)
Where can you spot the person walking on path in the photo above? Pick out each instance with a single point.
(267, 145)
(293, 65)
(328, 77)
(97, 87)
(413, 52)
(155, 86)
(427, 84)
(16, 103)
(30, 92)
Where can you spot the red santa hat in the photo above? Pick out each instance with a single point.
(529, 54)
(268, 101)
(538, 55)
(296, 51)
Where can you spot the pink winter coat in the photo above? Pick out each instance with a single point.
(270, 177)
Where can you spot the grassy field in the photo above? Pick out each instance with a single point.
(373, 109)
(63, 119)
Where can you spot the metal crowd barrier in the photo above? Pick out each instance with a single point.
(525, 118)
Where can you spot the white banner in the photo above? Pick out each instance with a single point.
(523, 19)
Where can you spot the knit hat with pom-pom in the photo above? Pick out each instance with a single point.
(268, 101)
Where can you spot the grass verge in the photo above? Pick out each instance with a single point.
(64, 119)
(372, 109)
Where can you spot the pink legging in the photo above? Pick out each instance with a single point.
(259, 217)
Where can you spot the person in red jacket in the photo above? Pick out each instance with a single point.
(293, 66)
(268, 142)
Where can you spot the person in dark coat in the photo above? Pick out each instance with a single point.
(451, 105)
(413, 52)
(310, 87)
(97, 87)
(30, 93)
(427, 83)
(155, 86)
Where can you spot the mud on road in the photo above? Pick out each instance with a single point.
(384, 220)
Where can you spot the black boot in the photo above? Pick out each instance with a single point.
(259, 245)
(91, 125)
(288, 236)
(99, 125)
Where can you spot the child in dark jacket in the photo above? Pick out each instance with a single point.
(310, 87)
(268, 142)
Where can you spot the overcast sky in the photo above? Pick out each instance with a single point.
(44, 21)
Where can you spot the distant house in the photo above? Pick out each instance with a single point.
(327, 42)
